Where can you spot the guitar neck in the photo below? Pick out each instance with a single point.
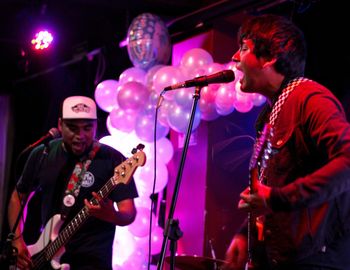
(79, 219)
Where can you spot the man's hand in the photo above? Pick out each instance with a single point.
(24, 261)
(237, 253)
(256, 202)
(104, 209)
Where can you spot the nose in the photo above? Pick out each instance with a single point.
(235, 58)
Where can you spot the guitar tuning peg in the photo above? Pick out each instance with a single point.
(140, 146)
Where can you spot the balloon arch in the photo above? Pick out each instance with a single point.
(131, 101)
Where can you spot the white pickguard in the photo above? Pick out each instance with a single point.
(50, 233)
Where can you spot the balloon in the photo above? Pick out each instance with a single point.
(166, 76)
(132, 96)
(184, 97)
(136, 261)
(143, 201)
(122, 119)
(179, 119)
(243, 102)
(214, 68)
(207, 102)
(140, 226)
(114, 131)
(144, 128)
(150, 74)
(150, 107)
(123, 238)
(156, 240)
(145, 176)
(225, 99)
(132, 74)
(106, 95)
(164, 148)
(196, 58)
(166, 107)
(148, 41)
(258, 99)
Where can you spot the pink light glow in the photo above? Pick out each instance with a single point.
(42, 40)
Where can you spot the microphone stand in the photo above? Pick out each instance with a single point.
(9, 253)
(172, 230)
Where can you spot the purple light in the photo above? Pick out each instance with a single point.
(42, 40)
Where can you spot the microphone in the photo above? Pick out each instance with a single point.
(52, 134)
(224, 76)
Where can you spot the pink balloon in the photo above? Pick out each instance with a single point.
(140, 226)
(214, 67)
(150, 107)
(165, 150)
(144, 128)
(258, 99)
(156, 241)
(167, 106)
(179, 119)
(196, 58)
(184, 97)
(132, 96)
(136, 261)
(145, 177)
(225, 98)
(123, 120)
(150, 76)
(106, 95)
(132, 74)
(164, 77)
(243, 102)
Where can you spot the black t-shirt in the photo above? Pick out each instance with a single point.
(48, 174)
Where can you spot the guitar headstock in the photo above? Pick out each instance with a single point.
(260, 146)
(124, 171)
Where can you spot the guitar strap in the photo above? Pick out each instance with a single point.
(75, 180)
(283, 97)
(272, 119)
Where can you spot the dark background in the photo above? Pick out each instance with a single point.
(38, 82)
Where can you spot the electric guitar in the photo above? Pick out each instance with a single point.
(257, 160)
(47, 251)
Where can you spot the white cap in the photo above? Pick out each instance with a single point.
(79, 107)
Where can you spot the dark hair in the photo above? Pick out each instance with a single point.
(277, 37)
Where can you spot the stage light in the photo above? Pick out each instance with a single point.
(42, 40)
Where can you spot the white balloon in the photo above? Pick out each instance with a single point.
(123, 238)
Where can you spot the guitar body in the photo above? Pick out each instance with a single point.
(255, 224)
(49, 234)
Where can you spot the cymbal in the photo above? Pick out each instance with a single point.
(186, 262)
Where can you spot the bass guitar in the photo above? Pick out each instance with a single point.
(49, 248)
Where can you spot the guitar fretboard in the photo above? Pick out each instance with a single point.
(76, 222)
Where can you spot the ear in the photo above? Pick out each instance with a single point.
(60, 124)
(269, 63)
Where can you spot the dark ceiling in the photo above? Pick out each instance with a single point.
(81, 26)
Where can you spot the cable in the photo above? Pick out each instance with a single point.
(154, 179)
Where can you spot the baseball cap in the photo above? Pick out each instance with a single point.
(79, 107)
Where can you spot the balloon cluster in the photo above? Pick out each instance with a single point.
(131, 102)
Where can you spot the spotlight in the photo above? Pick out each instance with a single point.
(42, 40)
